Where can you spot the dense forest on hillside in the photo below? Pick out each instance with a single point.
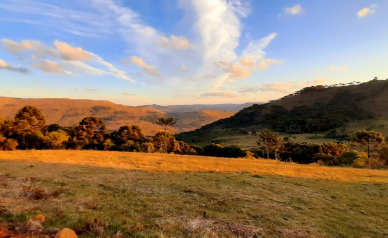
(311, 110)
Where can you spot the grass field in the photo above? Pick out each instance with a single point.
(234, 137)
(103, 194)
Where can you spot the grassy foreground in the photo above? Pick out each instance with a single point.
(102, 194)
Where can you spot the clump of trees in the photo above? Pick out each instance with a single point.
(330, 154)
(28, 130)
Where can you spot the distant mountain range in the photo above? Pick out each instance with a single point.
(197, 107)
(67, 112)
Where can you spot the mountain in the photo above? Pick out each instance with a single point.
(310, 110)
(67, 112)
(198, 107)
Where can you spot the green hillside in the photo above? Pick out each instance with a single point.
(312, 110)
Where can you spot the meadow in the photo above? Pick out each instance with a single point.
(121, 194)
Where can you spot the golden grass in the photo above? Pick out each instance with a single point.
(158, 195)
(184, 163)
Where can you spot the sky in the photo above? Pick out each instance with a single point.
(173, 52)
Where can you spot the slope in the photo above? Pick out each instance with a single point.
(67, 112)
(310, 110)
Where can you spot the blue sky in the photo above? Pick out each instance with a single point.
(187, 51)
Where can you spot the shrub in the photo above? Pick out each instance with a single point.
(359, 163)
(147, 147)
(9, 144)
(217, 150)
(348, 157)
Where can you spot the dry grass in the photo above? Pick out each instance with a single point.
(115, 194)
(185, 163)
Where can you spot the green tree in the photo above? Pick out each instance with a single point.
(29, 119)
(369, 137)
(126, 133)
(166, 123)
(90, 130)
(270, 140)
(56, 139)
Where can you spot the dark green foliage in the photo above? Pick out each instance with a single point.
(54, 127)
(227, 151)
(302, 153)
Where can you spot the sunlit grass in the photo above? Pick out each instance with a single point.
(167, 194)
(183, 163)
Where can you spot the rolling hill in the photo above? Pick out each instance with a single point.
(67, 112)
(311, 110)
(197, 107)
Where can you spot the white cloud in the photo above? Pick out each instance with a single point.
(285, 88)
(35, 46)
(49, 66)
(220, 93)
(79, 23)
(367, 11)
(175, 43)
(219, 27)
(148, 69)
(68, 52)
(182, 68)
(236, 71)
(65, 52)
(295, 10)
(4, 65)
(255, 49)
(265, 63)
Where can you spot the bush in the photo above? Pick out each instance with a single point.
(359, 163)
(147, 147)
(348, 157)
(10, 145)
(217, 150)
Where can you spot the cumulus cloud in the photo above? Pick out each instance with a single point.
(49, 66)
(219, 25)
(295, 10)
(148, 69)
(68, 52)
(289, 87)
(265, 63)
(35, 46)
(4, 65)
(175, 43)
(337, 68)
(367, 11)
(236, 71)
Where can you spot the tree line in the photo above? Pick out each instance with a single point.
(331, 154)
(28, 130)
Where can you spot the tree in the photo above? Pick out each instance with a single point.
(90, 130)
(126, 133)
(270, 140)
(57, 138)
(368, 137)
(29, 119)
(165, 123)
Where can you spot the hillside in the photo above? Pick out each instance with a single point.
(198, 107)
(67, 112)
(117, 194)
(310, 110)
